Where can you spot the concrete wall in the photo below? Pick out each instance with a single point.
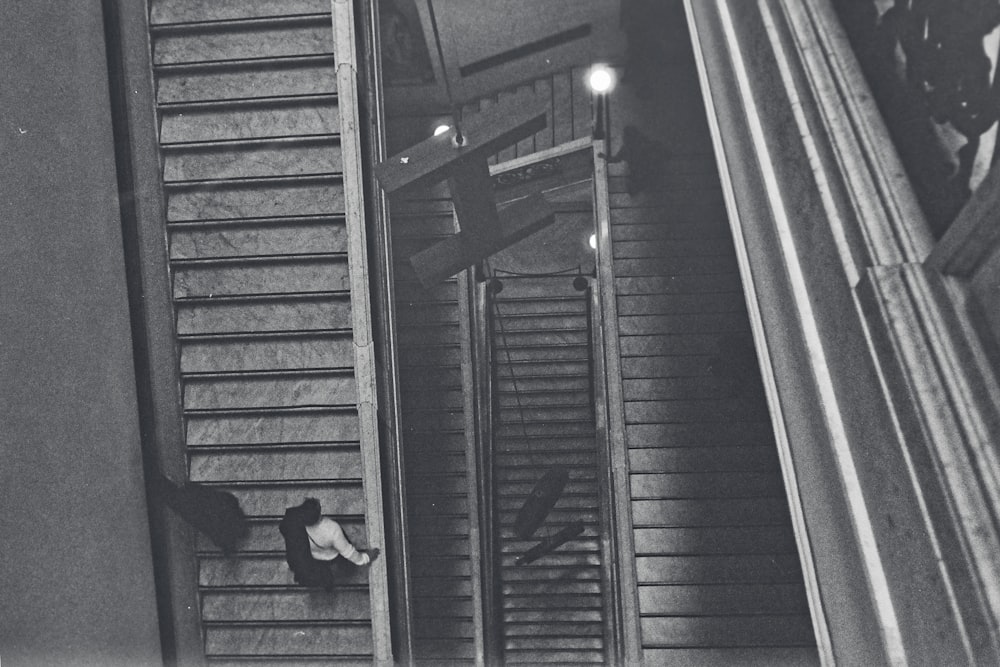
(75, 563)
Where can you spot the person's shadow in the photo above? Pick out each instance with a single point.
(217, 514)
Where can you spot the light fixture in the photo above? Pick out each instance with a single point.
(593, 241)
(601, 79)
(441, 129)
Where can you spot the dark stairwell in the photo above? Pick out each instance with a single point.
(718, 574)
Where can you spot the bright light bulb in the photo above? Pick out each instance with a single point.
(593, 241)
(441, 129)
(601, 79)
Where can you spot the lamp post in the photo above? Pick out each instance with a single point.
(601, 80)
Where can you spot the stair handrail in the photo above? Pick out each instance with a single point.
(606, 315)
(610, 550)
(347, 68)
(485, 398)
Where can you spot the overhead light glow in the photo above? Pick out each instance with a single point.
(601, 79)
(593, 241)
(441, 129)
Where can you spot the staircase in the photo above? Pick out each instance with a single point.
(716, 562)
(553, 608)
(435, 441)
(249, 132)
(435, 410)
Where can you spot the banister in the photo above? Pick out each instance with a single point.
(627, 579)
(384, 322)
(610, 551)
(345, 56)
(485, 372)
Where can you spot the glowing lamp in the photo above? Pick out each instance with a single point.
(601, 79)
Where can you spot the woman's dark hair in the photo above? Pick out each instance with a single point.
(311, 511)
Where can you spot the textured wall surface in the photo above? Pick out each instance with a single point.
(75, 569)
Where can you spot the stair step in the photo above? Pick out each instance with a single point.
(542, 460)
(270, 164)
(654, 486)
(709, 512)
(438, 628)
(721, 631)
(526, 384)
(539, 339)
(442, 526)
(270, 427)
(271, 498)
(563, 629)
(552, 657)
(553, 414)
(544, 352)
(520, 365)
(518, 444)
(261, 276)
(543, 398)
(267, 236)
(229, 40)
(441, 566)
(311, 116)
(556, 559)
(714, 540)
(441, 652)
(567, 501)
(545, 307)
(575, 488)
(587, 601)
(724, 569)
(421, 545)
(269, 571)
(423, 587)
(414, 358)
(265, 539)
(724, 657)
(722, 599)
(553, 643)
(704, 459)
(335, 463)
(253, 606)
(225, 660)
(545, 323)
(518, 289)
(587, 543)
(236, 80)
(307, 638)
(550, 588)
(183, 11)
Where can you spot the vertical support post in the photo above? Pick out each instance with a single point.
(364, 357)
